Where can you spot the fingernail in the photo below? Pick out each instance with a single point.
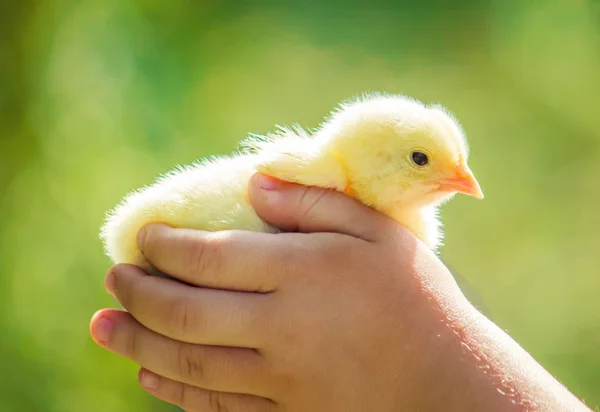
(110, 283)
(268, 183)
(149, 380)
(141, 238)
(102, 330)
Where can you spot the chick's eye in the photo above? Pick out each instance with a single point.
(420, 159)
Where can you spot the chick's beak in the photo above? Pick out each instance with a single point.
(463, 182)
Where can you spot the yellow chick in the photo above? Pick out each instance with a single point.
(390, 152)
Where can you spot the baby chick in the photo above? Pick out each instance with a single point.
(390, 152)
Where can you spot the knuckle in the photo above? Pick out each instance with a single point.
(181, 397)
(198, 257)
(216, 401)
(190, 365)
(302, 199)
(132, 346)
(122, 288)
(204, 257)
(151, 238)
(186, 397)
(142, 237)
(309, 200)
(183, 318)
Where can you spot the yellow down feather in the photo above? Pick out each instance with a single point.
(365, 148)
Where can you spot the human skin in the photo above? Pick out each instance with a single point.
(348, 312)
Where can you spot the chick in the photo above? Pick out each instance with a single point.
(390, 152)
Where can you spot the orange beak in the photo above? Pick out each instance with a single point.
(463, 182)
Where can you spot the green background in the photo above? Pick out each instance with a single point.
(99, 97)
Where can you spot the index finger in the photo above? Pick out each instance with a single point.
(234, 260)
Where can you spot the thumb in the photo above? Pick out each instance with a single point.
(295, 208)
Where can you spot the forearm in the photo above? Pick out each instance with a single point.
(480, 368)
(514, 374)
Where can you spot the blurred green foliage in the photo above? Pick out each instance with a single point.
(99, 97)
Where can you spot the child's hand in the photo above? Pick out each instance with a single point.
(360, 318)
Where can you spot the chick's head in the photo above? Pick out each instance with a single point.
(398, 152)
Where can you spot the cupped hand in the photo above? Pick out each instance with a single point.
(347, 312)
